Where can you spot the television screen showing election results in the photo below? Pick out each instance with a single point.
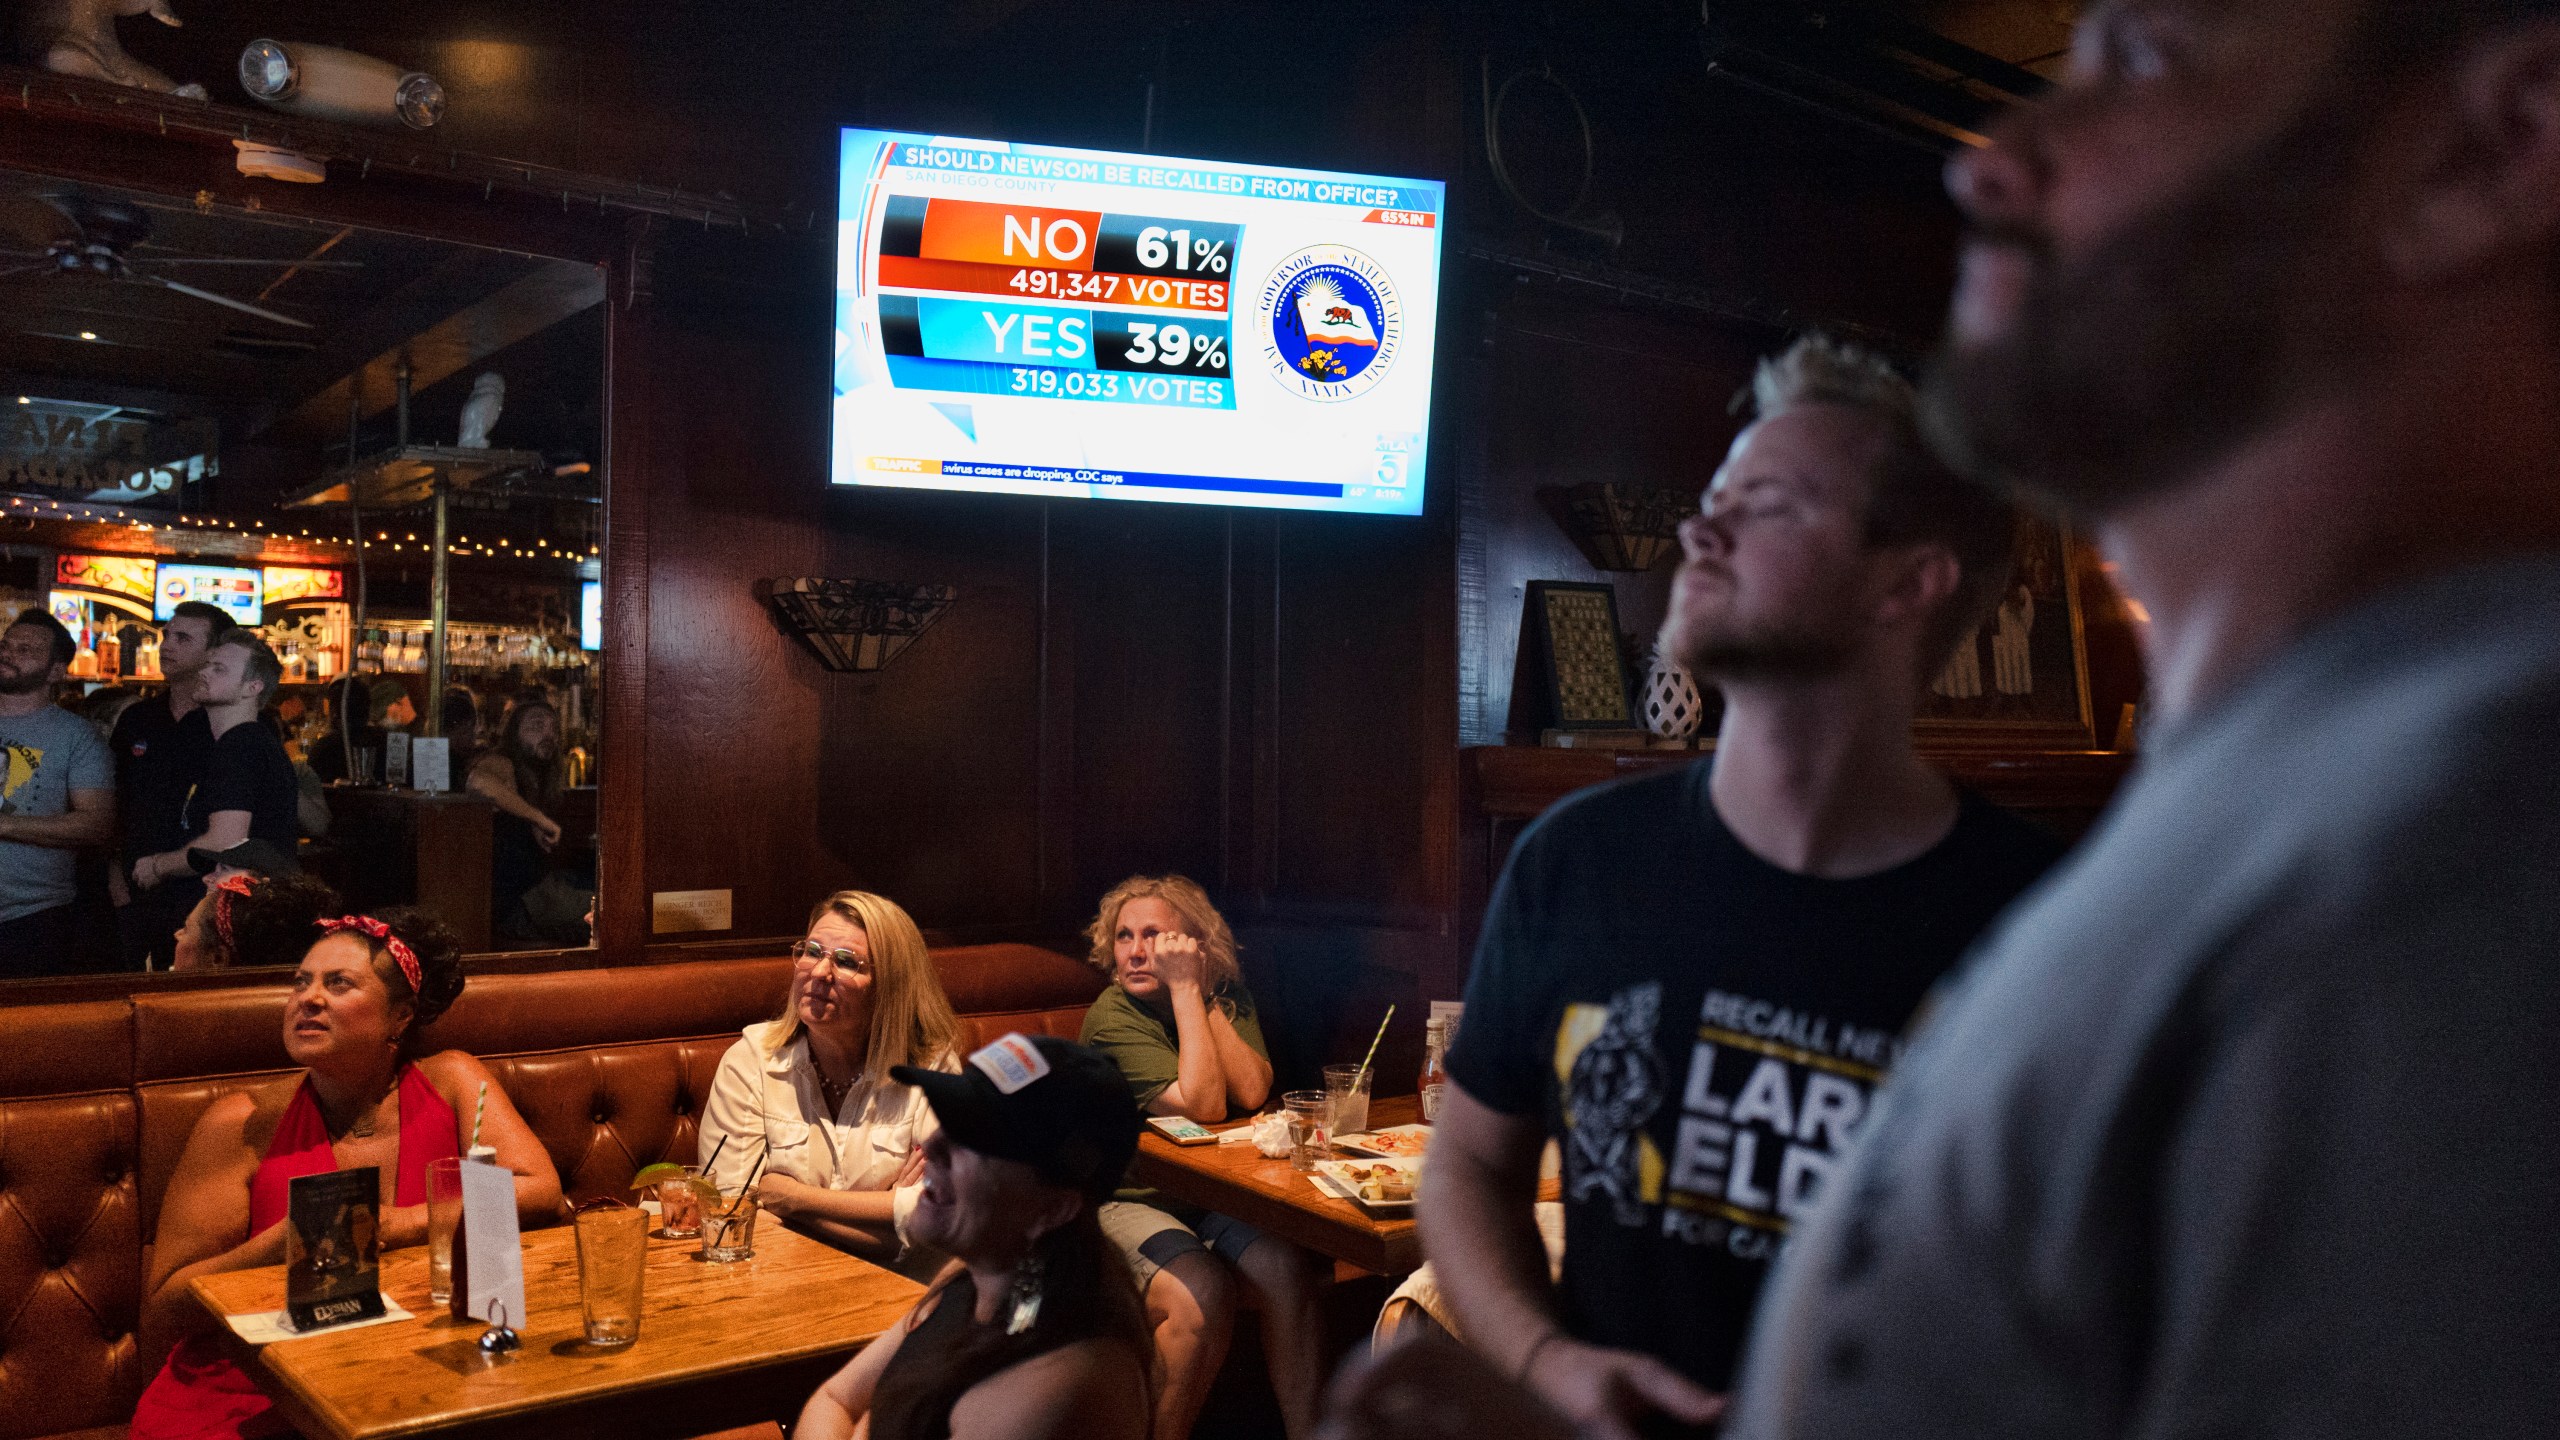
(1026, 320)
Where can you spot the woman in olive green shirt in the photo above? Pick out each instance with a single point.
(1179, 1023)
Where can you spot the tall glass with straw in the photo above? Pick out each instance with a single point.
(1347, 1087)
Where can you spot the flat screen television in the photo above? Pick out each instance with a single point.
(1028, 320)
(236, 591)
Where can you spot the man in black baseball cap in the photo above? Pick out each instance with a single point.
(1052, 1104)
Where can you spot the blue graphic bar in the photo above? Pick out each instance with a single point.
(993, 330)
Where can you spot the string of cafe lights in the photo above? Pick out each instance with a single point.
(462, 545)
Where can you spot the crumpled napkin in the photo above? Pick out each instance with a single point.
(1271, 1134)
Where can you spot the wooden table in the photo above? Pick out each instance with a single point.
(719, 1346)
(1236, 1180)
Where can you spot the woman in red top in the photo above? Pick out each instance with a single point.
(359, 1002)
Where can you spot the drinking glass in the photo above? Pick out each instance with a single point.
(1349, 1086)
(729, 1233)
(613, 1253)
(680, 1206)
(444, 1215)
(1310, 1112)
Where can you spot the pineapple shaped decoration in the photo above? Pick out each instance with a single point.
(1673, 708)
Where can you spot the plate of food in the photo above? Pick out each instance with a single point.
(1398, 1142)
(1376, 1184)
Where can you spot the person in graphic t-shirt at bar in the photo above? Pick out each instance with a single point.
(1694, 981)
(248, 790)
(160, 745)
(55, 796)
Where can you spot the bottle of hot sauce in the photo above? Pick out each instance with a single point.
(1434, 1080)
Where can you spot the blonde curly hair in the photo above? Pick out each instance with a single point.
(1200, 920)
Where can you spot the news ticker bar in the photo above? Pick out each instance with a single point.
(1069, 475)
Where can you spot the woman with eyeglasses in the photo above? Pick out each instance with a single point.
(843, 1144)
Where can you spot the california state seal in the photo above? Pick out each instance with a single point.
(1330, 323)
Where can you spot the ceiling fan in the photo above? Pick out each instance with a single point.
(78, 234)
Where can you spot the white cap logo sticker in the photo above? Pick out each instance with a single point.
(1011, 1062)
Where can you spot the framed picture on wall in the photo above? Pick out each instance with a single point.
(2023, 677)
(1573, 626)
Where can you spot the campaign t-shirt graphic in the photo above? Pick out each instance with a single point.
(1613, 1085)
(1702, 1033)
(23, 763)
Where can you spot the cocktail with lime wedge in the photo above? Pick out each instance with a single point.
(682, 1191)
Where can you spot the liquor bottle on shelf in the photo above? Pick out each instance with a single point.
(110, 651)
(1434, 1080)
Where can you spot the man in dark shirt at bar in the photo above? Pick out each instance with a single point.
(1693, 981)
(160, 746)
(248, 791)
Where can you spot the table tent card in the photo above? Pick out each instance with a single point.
(431, 763)
(488, 1250)
(332, 1263)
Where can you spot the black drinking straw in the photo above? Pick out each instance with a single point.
(715, 1154)
(749, 1188)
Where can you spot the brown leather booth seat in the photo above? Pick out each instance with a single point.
(609, 1067)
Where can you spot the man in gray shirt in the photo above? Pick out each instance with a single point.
(2241, 1125)
(56, 796)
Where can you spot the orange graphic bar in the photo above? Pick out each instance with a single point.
(1157, 292)
(1418, 219)
(991, 234)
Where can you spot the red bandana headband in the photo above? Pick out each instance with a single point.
(224, 891)
(366, 925)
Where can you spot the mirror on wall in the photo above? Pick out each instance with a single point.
(376, 453)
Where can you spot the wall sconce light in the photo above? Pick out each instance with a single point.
(855, 624)
(1619, 527)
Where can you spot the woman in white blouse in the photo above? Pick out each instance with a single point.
(810, 1091)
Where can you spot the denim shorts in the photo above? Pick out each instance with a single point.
(1149, 1239)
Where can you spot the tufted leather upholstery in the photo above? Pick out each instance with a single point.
(609, 1066)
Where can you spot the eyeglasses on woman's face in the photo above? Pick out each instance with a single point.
(808, 953)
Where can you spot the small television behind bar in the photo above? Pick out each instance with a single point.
(1027, 320)
(237, 592)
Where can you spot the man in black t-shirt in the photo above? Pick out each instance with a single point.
(1694, 981)
(160, 746)
(248, 791)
